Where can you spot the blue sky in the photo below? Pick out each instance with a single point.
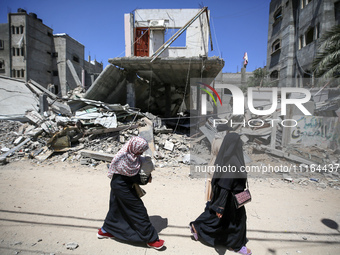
(237, 26)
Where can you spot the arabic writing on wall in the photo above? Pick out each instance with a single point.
(320, 131)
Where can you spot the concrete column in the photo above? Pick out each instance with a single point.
(43, 104)
(286, 130)
(131, 95)
(128, 17)
(83, 78)
(167, 100)
(130, 89)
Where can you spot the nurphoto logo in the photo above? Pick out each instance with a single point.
(239, 102)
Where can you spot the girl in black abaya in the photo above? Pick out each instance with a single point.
(127, 218)
(222, 223)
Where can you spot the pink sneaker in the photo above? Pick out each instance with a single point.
(102, 235)
(156, 244)
(244, 251)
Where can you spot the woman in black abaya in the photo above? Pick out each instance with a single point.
(222, 223)
(127, 218)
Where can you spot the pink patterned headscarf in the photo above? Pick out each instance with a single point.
(127, 161)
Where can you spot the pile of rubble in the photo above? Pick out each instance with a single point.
(85, 130)
(89, 132)
(293, 163)
(88, 145)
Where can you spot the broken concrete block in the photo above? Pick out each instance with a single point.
(158, 155)
(193, 159)
(183, 148)
(71, 246)
(18, 140)
(97, 155)
(169, 145)
(22, 128)
(244, 138)
(50, 127)
(147, 133)
(121, 139)
(34, 132)
(85, 161)
(147, 121)
(163, 130)
(34, 116)
(45, 154)
(287, 178)
(4, 149)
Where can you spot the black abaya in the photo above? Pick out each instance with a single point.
(127, 218)
(230, 230)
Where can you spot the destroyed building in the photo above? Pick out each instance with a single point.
(30, 51)
(165, 48)
(154, 78)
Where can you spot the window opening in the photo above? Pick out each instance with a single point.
(278, 14)
(310, 36)
(180, 41)
(276, 45)
(75, 59)
(274, 75)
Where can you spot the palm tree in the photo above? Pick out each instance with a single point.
(327, 61)
(258, 79)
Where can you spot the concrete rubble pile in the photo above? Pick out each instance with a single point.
(88, 145)
(292, 162)
(90, 132)
(87, 131)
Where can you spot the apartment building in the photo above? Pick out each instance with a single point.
(294, 29)
(30, 51)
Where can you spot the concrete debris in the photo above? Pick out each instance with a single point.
(72, 246)
(89, 132)
(193, 159)
(169, 145)
(94, 132)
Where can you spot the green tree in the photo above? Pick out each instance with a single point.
(258, 78)
(326, 64)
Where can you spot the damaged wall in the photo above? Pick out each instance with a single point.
(110, 86)
(319, 131)
(15, 99)
(197, 35)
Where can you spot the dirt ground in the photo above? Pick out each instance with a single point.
(45, 206)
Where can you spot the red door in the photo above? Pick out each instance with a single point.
(142, 42)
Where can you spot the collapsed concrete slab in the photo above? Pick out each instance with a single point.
(158, 87)
(171, 70)
(15, 99)
(109, 87)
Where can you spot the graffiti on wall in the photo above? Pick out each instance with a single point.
(315, 130)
